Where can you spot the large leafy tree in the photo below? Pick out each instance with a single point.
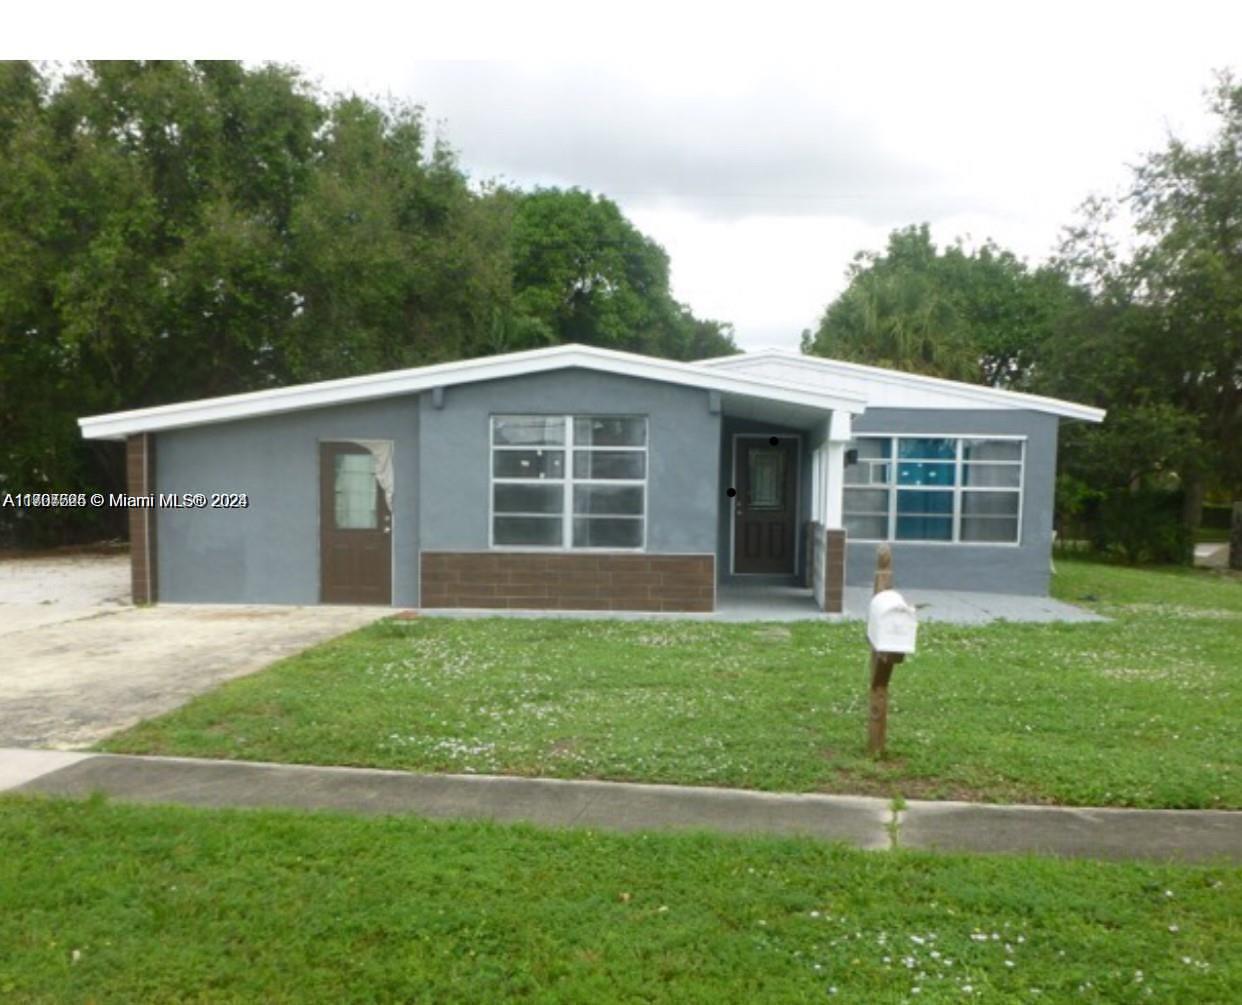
(172, 230)
(1151, 330)
(1163, 343)
(583, 273)
(968, 315)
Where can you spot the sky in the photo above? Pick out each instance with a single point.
(762, 147)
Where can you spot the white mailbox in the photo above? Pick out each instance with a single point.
(892, 624)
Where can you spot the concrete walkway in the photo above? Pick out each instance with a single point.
(863, 822)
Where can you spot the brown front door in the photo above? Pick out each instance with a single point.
(764, 509)
(355, 528)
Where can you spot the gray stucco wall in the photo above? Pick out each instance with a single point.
(1023, 568)
(683, 473)
(269, 553)
(724, 539)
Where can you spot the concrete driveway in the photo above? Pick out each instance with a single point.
(78, 662)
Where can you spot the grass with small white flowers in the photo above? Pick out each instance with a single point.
(1139, 711)
(104, 902)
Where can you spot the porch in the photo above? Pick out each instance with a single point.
(784, 600)
(781, 550)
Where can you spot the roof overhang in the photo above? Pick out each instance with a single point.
(732, 386)
(810, 370)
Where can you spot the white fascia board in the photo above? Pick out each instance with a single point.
(118, 425)
(993, 397)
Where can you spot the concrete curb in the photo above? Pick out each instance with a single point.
(860, 821)
(857, 820)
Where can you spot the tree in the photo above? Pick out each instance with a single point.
(976, 316)
(1169, 315)
(175, 230)
(583, 273)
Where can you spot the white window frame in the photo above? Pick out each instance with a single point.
(567, 481)
(958, 489)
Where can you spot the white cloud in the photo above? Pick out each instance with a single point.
(762, 147)
(771, 276)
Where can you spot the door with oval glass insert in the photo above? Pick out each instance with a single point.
(765, 507)
(355, 528)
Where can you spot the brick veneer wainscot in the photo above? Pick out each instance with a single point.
(568, 582)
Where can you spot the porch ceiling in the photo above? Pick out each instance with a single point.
(780, 413)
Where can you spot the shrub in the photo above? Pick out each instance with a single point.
(1143, 525)
(1217, 516)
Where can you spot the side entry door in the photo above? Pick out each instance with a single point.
(355, 528)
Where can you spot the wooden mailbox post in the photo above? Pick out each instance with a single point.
(891, 629)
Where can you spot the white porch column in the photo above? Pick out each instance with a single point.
(833, 469)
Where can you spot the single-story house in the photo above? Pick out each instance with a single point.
(574, 477)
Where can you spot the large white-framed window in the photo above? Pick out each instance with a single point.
(946, 489)
(569, 482)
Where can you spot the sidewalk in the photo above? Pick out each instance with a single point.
(863, 822)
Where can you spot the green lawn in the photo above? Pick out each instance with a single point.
(1142, 711)
(102, 902)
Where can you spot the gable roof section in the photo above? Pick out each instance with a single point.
(118, 425)
(885, 388)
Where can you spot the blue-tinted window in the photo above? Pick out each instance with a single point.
(925, 502)
(924, 528)
(926, 449)
(925, 473)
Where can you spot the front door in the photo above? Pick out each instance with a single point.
(355, 528)
(765, 507)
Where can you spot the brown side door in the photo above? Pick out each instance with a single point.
(355, 528)
(765, 507)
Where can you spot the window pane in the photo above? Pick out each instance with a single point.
(991, 474)
(989, 503)
(528, 463)
(765, 469)
(606, 431)
(924, 502)
(1003, 529)
(927, 449)
(866, 528)
(871, 466)
(354, 488)
(516, 498)
(925, 474)
(609, 499)
(872, 448)
(539, 531)
(610, 464)
(867, 473)
(528, 430)
(924, 528)
(992, 450)
(866, 500)
(608, 532)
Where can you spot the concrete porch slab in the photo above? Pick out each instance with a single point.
(965, 607)
(741, 602)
